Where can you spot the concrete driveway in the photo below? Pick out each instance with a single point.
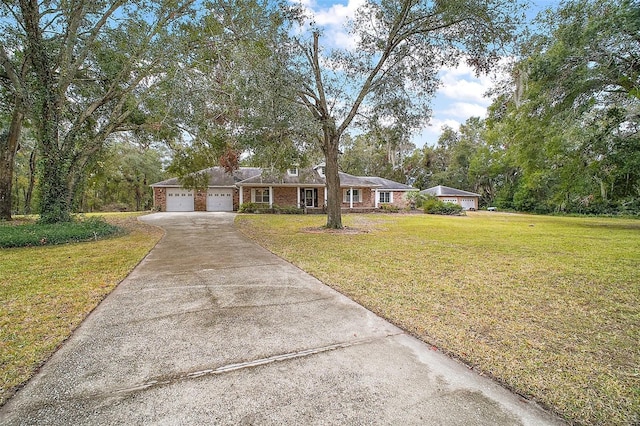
(212, 329)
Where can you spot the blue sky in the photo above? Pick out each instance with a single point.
(461, 93)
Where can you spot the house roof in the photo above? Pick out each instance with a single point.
(218, 176)
(265, 177)
(444, 191)
(347, 180)
(390, 184)
(248, 176)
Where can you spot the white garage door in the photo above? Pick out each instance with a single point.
(179, 200)
(219, 200)
(468, 203)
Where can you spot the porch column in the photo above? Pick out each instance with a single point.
(240, 195)
(271, 197)
(298, 191)
(351, 197)
(376, 198)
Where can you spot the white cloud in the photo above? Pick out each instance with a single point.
(430, 134)
(436, 124)
(338, 14)
(333, 19)
(465, 110)
(461, 84)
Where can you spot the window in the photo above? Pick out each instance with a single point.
(260, 195)
(385, 197)
(292, 172)
(347, 195)
(321, 171)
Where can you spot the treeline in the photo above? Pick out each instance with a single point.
(117, 180)
(179, 86)
(562, 132)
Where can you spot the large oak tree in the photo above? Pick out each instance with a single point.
(90, 65)
(401, 46)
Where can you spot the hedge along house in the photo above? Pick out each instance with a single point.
(303, 188)
(468, 200)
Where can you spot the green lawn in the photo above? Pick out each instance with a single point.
(45, 292)
(550, 306)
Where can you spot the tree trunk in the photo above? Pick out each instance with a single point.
(32, 181)
(8, 149)
(54, 206)
(334, 201)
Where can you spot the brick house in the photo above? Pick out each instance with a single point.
(304, 188)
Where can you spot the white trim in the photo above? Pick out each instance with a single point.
(379, 194)
(314, 195)
(253, 196)
(348, 196)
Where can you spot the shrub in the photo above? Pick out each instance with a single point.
(432, 205)
(248, 208)
(414, 198)
(288, 210)
(38, 234)
(263, 208)
(389, 208)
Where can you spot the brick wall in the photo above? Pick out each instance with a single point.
(200, 202)
(236, 200)
(160, 199)
(399, 199)
(285, 197)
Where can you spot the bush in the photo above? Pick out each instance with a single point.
(432, 205)
(263, 208)
(37, 234)
(249, 208)
(389, 208)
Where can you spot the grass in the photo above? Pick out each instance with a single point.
(45, 292)
(549, 306)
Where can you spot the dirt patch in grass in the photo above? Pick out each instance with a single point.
(549, 306)
(344, 231)
(46, 292)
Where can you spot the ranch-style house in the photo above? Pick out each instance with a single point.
(301, 187)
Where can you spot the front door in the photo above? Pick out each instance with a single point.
(308, 198)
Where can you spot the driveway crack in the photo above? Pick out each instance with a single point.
(249, 364)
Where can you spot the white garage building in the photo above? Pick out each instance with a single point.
(468, 200)
(221, 195)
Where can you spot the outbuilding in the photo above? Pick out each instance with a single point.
(468, 200)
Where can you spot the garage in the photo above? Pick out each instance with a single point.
(468, 203)
(179, 200)
(219, 200)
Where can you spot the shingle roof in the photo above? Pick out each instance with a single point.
(390, 184)
(443, 191)
(305, 176)
(246, 176)
(347, 180)
(218, 176)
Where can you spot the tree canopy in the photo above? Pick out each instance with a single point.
(257, 81)
(393, 70)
